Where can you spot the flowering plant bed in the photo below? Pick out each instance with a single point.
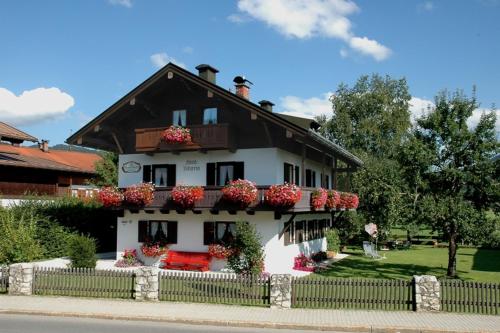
(219, 251)
(139, 195)
(186, 196)
(110, 196)
(176, 135)
(303, 263)
(286, 195)
(318, 198)
(151, 250)
(240, 191)
(348, 200)
(333, 199)
(129, 259)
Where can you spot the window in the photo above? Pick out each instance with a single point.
(163, 232)
(288, 232)
(291, 174)
(179, 118)
(222, 173)
(218, 232)
(160, 175)
(210, 116)
(310, 178)
(302, 231)
(327, 181)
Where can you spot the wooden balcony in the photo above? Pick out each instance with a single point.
(203, 137)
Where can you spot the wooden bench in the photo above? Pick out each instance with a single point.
(187, 261)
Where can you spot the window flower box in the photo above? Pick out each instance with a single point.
(241, 191)
(139, 195)
(283, 196)
(318, 198)
(186, 196)
(176, 135)
(110, 196)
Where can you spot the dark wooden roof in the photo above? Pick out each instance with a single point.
(305, 123)
(11, 134)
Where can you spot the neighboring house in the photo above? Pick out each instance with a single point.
(232, 138)
(39, 170)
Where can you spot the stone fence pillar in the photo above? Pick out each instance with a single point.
(21, 279)
(281, 291)
(146, 284)
(427, 293)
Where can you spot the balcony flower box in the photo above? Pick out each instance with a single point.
(110, 196)
(242, 192)
(187, 196)
(139, 195)
(176, 135)
(318, 198)
(349, 201)
(333, 199)
(283, 196)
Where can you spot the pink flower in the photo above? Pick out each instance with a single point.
(110, 196)
(286, 195)
(240, 191)
(186, 196)
(176, 135)
(318, 198)
(139, 195)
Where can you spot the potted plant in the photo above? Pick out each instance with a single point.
(333, 199)
(140, 194)
(219, 251)
(186, 196)
(241, 191)
(153, 252)
(332, 243)
(318, 198)
(110, 196)
(129, 259)
(176, 135)
(283, 196)
(348, 200)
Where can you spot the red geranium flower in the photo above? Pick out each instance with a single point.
(333, 199)
(186, 196)
(318, 198)
(176, 134)
(285, 195)
(240, 191)
(110, 196)
(139, 195)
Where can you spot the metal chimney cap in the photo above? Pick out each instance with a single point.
(241, 80)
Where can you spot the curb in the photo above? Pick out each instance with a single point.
(232, 323)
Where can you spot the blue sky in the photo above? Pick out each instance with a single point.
(64, 62)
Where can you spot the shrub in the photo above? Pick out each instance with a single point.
(247, 256)
(54, 238)
(319, 256)
(186, 196)
(82, 252)
(332, 240)
(240, 191)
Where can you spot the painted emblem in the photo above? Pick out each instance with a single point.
(131, 167)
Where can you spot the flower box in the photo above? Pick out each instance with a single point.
(186, 196)
(219, 251)
(110, 196)
(242, 192)
(348, 200)
(139, 195)
(283, 196)
(176, 135)
(318, 198)
(333, 199)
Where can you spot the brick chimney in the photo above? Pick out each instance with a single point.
(242, 86)
(268, 106)
(44, 146)
(207, 72)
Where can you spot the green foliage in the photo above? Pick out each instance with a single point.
(54, 238)
(18, 237)
(82, 252)
(349, 225)
(106, 170)
(247, 255)
(332, 240)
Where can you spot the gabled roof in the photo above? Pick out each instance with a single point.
(9, 133)
(305, 123)
(31, 157)
(294, 125)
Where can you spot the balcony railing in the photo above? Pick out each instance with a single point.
(215, 136)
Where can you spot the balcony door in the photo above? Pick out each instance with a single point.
(221, 173)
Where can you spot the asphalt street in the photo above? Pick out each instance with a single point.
(10, 323)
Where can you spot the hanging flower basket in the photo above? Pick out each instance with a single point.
(318, 198)
(176, 135)
(241, 191)
(186, 196)
(286, 195)
(333, 199)
(152, 250)
(219, 251)
(110, 196)
(139, 195)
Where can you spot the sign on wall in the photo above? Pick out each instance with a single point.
(191, 165)
(131, 167)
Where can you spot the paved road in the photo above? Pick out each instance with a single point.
(41, 324)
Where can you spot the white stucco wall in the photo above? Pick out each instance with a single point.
(278, 257)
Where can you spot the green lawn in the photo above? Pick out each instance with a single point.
(472, 264)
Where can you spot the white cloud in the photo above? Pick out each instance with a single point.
(306, 107)
(235, 18)
(427, 6)
(124, 3)
(309, 18)
(33, 105)
(161, 59)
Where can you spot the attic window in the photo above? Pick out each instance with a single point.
(179, 118)
(210, 116)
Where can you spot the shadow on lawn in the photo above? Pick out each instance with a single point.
(486, 260)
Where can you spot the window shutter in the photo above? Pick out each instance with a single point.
(171, 176)
(172, 232)
(143, 231)
(313, 176)
(146, 173)
(208, 233)
(210, 174)
(239, 170)
(308, 178)
(297, 175)
(287, 233)
(286, 173)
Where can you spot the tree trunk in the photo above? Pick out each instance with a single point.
(452, 255)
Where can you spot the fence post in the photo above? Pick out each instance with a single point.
(21, 279)
(281, 291)
(146, 284)
(427, 293)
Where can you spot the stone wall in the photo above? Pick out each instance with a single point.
(146, 284)
(281, 291)
(21, 279)
(427, 293)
